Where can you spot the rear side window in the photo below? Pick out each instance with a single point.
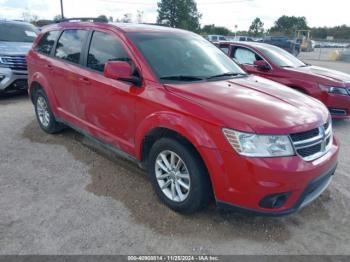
(70, 44)
(104, 48)
(47, 42)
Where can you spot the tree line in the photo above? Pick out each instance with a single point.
(185, 15)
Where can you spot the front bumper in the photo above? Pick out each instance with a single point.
(242, 183)
(313, 190)
(12, 80)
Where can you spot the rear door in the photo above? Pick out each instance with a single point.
(108, 104)
(66, 73)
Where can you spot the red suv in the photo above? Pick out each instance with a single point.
(174, 103)
(330, 86)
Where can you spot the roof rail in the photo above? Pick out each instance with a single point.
(158, 24)
(83, 19)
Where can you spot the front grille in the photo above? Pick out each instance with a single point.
(314, 143)
(304, 135)
(15, 62)
(309, 151)
(338, 112)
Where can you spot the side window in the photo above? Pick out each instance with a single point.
(104, 48)
(245, 56)
(47, 42)
(70, 44)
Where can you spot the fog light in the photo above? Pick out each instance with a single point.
(274, 201)
(1, 77)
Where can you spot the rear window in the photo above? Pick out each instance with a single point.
(47, 42)
(70, 45)
(17, 32)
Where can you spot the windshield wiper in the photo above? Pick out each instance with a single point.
(182, 78)
(226, 74)
(306, 65)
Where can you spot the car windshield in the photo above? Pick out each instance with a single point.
(184, 57)
(280, 57)
(17, 32)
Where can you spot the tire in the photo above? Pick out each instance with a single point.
(44, 115)
(199, 192)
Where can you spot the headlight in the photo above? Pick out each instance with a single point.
(254, 145)
(1, 62)
(334, 90)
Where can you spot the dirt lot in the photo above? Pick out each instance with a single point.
(63, 194)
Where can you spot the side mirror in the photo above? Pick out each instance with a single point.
(262, 65)
(120, 70)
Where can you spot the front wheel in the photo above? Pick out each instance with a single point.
(178, 176)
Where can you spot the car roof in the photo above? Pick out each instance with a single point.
(123, 27)
(250, 44)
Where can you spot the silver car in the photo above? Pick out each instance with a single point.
(16, 39)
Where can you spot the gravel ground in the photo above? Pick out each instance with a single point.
(63, 194)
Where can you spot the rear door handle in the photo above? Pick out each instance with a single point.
(85, 80)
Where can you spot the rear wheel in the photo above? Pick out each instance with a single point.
(44, 115)
(178, 176)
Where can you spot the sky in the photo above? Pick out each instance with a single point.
(228, 13)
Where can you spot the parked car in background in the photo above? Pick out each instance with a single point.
(215, 38)
(241, 38)
(329, 86)
(16, 39)
(283, 42)
(174, 103)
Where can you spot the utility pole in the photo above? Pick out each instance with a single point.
(62, 15)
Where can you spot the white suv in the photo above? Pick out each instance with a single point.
(16, 38)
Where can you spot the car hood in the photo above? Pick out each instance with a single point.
(14, 48)
(324, 73)
(254, 104)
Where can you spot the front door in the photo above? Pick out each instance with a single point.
(108, 105)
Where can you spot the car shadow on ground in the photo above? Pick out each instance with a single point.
(6, 99)
(123, 181)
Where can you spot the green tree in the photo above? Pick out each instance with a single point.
(179, 13)
(103, 18)
(57, 18)
(215, 30)
(256, 28)
(289, 24)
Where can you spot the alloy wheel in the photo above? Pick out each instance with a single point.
(172, 176)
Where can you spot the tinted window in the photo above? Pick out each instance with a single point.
(183, 55)
(17, 32)
(47, 42)
(103, 48)
(70, 45)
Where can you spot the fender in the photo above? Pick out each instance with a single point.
(39, 78)
(184, 125)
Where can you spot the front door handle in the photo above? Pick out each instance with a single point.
(85, 80)
(49, 67)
